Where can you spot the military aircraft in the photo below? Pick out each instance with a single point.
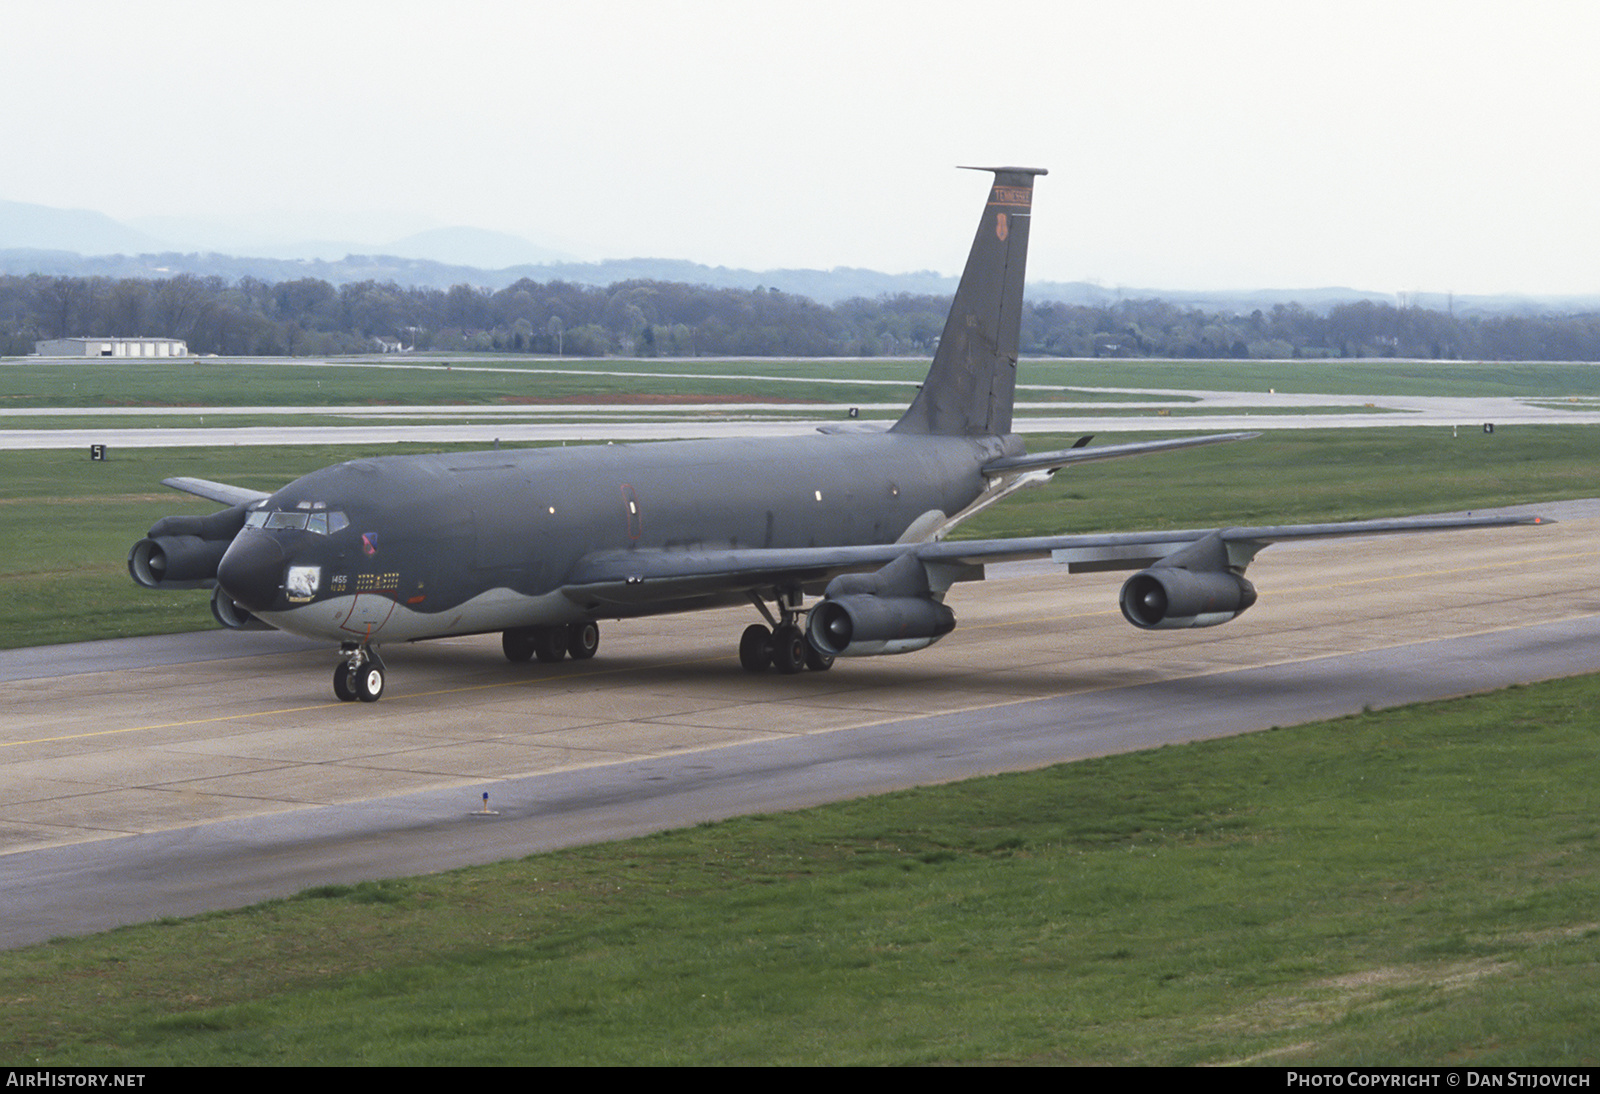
(542, 544)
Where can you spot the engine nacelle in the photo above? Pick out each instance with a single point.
(890, 611)
(183, 552)
(176, 562)
(227, 612)
(863, 625)
(1167, 598)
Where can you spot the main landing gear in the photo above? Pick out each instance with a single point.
(784, 647)
(360, 675)
(551, 644)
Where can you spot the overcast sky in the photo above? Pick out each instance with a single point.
(1389, 146)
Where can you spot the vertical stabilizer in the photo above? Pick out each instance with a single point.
(970, 388)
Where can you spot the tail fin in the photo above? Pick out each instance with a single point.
(971, 386)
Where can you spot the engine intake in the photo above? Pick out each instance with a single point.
(866, 626)
(183, 552)
(1194, 587)
(890, 611)
(1167, 598)
(225, 610)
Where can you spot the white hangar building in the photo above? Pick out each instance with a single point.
(112, 347)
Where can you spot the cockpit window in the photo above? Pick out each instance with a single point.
(321, 521)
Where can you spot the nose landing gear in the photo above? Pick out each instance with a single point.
(359, 676)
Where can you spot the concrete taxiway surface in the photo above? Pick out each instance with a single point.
(167, 776)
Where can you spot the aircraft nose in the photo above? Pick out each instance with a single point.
(252, 570)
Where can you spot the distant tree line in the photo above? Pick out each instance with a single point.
(653, 318)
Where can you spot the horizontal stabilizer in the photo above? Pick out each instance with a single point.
(1053, 460)
(853, 428)
(216, 491)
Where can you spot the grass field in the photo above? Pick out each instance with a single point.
(487, 380)
(1416, 886)
(467, 381)
(1469, 379)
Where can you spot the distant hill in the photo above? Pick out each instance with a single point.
(473, 247)
(40, 227)
(83, 243)
(826, 286)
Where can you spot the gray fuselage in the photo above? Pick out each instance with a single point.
(481, 541)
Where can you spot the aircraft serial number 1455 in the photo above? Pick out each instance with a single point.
(541, 544)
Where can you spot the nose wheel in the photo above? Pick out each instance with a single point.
(359, 676)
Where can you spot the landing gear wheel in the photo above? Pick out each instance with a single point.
(816, 660)
(789, 648)
(359, 674)
(582, 640)
(755, 648)
(369, 682)
(518, 646)
(549, 643)
(344, 684)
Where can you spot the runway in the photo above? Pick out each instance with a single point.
(169, 776)
(1067, 409)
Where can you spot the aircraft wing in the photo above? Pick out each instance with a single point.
(216, 491)
(1135, 550)
(643, 576)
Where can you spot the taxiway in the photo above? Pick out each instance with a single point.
(175, 775)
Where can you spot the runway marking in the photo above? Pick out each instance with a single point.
(553, 679)
(1219, 669)
(403, 696)
(1442, 573)
(166, 725)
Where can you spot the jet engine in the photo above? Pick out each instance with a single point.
(228, 612)
(890, 611)
(183, 552)
(1194, 587)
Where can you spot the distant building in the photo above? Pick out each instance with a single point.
(111, 347)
